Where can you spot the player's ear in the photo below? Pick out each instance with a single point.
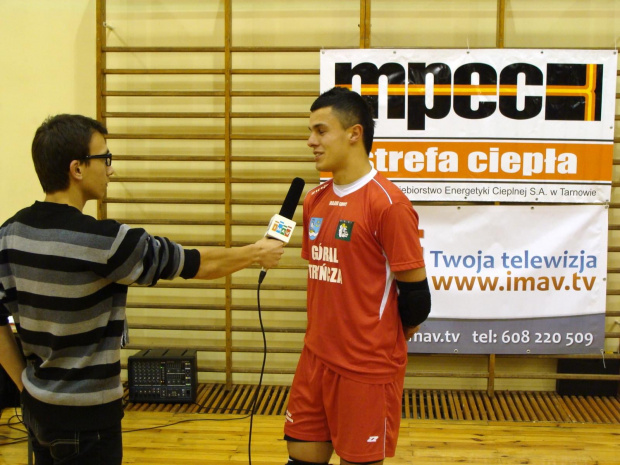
(355, 133)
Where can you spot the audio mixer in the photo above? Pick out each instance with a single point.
(162, 376)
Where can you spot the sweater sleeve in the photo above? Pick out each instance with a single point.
(136, 257)
(192, 264)
(4, 306)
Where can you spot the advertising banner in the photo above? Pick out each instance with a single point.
(502, 125)
(514, 279)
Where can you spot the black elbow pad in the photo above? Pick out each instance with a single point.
(414, 302)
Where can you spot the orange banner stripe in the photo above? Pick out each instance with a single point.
(592, 162)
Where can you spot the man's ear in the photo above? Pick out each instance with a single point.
(356, 133)
(75, 170)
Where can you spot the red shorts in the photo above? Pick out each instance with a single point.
(361, 420)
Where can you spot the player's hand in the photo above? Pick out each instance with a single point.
(410, 331)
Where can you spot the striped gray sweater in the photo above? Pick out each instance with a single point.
(64, 278)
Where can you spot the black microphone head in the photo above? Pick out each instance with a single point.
(292, 198)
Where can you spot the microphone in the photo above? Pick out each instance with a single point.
(292, 198)
(281, 225)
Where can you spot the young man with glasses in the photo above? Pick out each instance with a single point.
(64, 278)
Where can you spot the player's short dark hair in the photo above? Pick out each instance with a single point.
(350, 108)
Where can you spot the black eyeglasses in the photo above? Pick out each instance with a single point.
(107, 156)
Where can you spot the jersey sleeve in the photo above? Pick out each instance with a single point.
(399, 235)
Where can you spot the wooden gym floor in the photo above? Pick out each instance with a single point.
(417, 404)
(438, 428)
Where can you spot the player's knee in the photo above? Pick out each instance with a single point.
(292, 461)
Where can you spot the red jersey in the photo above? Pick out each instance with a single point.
(354, 238)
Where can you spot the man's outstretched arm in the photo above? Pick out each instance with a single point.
(218, 262)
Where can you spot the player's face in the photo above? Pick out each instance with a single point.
(329, 141)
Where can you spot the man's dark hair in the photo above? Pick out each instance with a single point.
(350, 108)
(58, 141)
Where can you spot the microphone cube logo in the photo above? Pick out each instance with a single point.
(282, 229)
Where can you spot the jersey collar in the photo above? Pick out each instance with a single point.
(343, 190)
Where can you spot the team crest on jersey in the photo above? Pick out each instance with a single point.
(314, 228)
(344, 231)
